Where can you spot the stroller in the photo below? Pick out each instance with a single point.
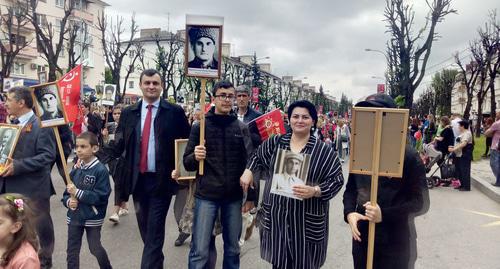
(429, 157)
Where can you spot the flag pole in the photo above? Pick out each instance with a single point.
(202, 122)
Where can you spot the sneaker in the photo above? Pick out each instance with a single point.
(123, 212)
(181, 238)
(114, 218)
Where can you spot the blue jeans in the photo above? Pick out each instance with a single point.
(205, 214)
(495, 164)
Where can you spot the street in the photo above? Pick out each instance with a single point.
(461, 230)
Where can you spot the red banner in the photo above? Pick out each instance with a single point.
(69, 87)
(270, 124)
(380, 88)
(255, 95)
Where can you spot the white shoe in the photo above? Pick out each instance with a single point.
(114, 218)
(122, 212)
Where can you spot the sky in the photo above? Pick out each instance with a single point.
(322, 40)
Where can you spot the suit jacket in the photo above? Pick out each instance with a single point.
(170, 123)
(33, 157)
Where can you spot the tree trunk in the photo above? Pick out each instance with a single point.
(467, 108)
(479, 116)
(493, 106)
(52, 73)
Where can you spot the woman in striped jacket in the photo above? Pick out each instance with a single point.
(294, 228)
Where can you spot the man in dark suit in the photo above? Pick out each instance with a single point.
(146, 133)
(29, 171)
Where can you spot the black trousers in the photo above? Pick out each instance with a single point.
(151, 212)
(75, 234)
(463, 167)
(44, 229)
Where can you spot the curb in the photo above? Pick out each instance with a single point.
(485, 187)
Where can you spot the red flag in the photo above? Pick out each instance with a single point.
(77, 126)
(269, 124)
(70, 87)
(255, 95)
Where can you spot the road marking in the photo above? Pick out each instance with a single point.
(495, 223)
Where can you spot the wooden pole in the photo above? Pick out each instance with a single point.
(61, 153)
(202, 121)
(374, 186)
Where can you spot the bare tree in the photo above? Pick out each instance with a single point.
(468, 75)
(134, 55)
(77, 42)
(50, 38)
(114, 46)
(11, 24)
(411, 57)
(168, 62)
(490, 39)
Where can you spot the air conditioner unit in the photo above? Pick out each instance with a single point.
(33, 66)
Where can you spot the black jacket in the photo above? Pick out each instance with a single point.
(170, 123)
(228, 146)
(399, 199)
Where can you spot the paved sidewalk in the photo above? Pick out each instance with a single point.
(482, 177)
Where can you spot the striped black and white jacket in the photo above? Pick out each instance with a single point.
(295, 232)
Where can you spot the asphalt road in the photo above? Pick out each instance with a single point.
(461, 230)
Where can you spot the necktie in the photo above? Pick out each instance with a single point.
(143, 165)
(15, 121)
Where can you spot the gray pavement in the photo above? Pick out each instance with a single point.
(461, 230)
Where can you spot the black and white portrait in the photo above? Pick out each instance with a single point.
(203, 46)
(290, 169)
(48, 105)
(108, 95)
(8, 139)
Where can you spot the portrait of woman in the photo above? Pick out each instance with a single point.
(49, 107)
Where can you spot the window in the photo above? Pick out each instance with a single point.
(61, 54)
(41, 20)
(78, 4)
(131, 54)
(60, 3)
(17, 68)
(40, 68)
(17, 40)
(131, 84)
(59, 25)
(40, 46)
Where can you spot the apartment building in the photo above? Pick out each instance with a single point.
(29, 62)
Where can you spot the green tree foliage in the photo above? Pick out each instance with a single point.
(442, 83)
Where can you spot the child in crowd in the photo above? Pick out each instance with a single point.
(18, 240)
(87, 200)
(116, 169)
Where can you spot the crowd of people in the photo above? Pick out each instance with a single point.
(135, 145)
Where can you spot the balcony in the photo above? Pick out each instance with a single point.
(28, 53)
(25, 27)
(83, 15)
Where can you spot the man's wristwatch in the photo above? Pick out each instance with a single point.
(317, 191)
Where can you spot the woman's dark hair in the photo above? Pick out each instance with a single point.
(464, 124)
(307, 105)
(16, 207)
(445, 121)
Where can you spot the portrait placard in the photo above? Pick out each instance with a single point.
(48, 105)
(108, 95)
(203, 48)
(393, 124)
(8, 140)
(289, 169)
(180, 148)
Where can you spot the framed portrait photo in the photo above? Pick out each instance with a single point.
(203, 48)
(289, 169)
(8, 140)
(48, 105)
(108, 95)
(180, 148)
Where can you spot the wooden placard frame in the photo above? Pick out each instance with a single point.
(376, 124)
(39, 110)
(360, 161)
(12, 144)
(179, 153)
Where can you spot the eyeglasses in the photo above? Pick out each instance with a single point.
(226, 97)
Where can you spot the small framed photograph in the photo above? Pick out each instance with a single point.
(203, 46)
(42, 77)
(108, 95)
(289, 169)
(180, 148)
(8, 140)
(48, 105)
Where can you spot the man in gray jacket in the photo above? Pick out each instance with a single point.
(29, 171)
